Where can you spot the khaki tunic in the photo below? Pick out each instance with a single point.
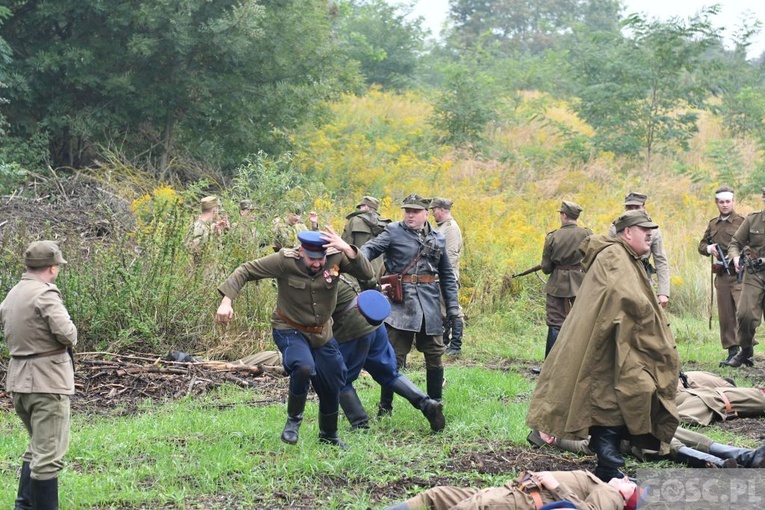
(305, 299)
(562, 249)
(750, 234)
(615, 362)
(581, 488)
(727, 287)
(702, 406)
(453, 235)
(36, 321)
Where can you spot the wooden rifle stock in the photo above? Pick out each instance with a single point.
(528, 271)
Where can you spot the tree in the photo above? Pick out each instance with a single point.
(383, 40)
(526, 26)
(5, 60)
(213, 80)
(643, 91)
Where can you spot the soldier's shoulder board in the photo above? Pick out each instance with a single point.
(552, 231)
(291, 253)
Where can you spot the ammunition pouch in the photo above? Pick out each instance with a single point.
(394, 288)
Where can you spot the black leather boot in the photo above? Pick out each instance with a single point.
(44, 494)
(606, 473)
(606, 442)
(431, 409)
(732, 351)
(385, 407)
(744, 357)
(455, 344)
(328, 430)
(435, 381)
(745, 457)
(24, 496)
(552, 336)
(697, 459)
(295, 408)
(353, 409)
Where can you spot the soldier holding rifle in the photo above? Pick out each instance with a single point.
(715, 244)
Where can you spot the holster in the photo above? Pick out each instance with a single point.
(395, 287)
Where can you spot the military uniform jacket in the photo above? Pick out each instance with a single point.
(659, 260)
(35, 322)
(453, 235)
(562, 249)
(615, 362)
(400, 245)
(751, 233)
(720, 231)
(348, 323)
(304, 298)
(363, 226)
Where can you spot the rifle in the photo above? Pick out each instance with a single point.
(723, 260)
(528, 271)
(741, 267)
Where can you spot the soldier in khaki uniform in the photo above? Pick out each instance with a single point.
(531, 491)
(750, 234)
(306, 279)
(286, 229)
(562, 260)
(442, 213)
(719, 233)
(40, 376)
(635, 201)
(363, 225)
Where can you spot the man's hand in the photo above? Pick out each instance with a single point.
(735, 264)
(225, 311)
(313, 217)
(713, 251)
(547, 480)
(335, 241)
(663, 300)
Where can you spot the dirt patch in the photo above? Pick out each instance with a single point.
(117, 385)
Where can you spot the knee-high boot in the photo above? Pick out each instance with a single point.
(328, 430)
(606, 442)
(353, 409)
(743, 456)
(295, 408)
(44, 494)
(385, 407)
(435, 382)
(431, 409)
(697, 459)
(24, 496)
(552, 336)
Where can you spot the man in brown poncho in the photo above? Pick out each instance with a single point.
(613, 371)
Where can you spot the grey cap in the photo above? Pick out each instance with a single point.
(638, 218)
(415, 201)
(443, 203)
(570, 209)
(43, 254)
(635, 198)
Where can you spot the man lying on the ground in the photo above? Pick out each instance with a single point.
(702, 397)
(270, 361)
(533, 490)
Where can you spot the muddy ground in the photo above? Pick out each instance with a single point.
(117, 385)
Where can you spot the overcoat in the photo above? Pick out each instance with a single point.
(400, 245)
(615, 362)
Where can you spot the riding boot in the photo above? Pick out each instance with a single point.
(435, 382)
(455, 345)
(697, 459)
(23, 496)
(732, 351)
(552, 336)
(431, 409)
(328, 430)
(447, 331)
(295, 408)
(744, 357)
(385, 407)
(44, 494)
(745, 457)
(605, 442)
(353, 409)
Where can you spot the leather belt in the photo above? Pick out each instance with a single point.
(529, 485)
(575, 267)
(299, 327)
(419, 278)
(40, 354)
(729, 412)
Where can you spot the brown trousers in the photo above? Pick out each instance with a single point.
(728, 295)
(557, 309)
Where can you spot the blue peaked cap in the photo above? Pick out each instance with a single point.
(373, 306)
(312, 244)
